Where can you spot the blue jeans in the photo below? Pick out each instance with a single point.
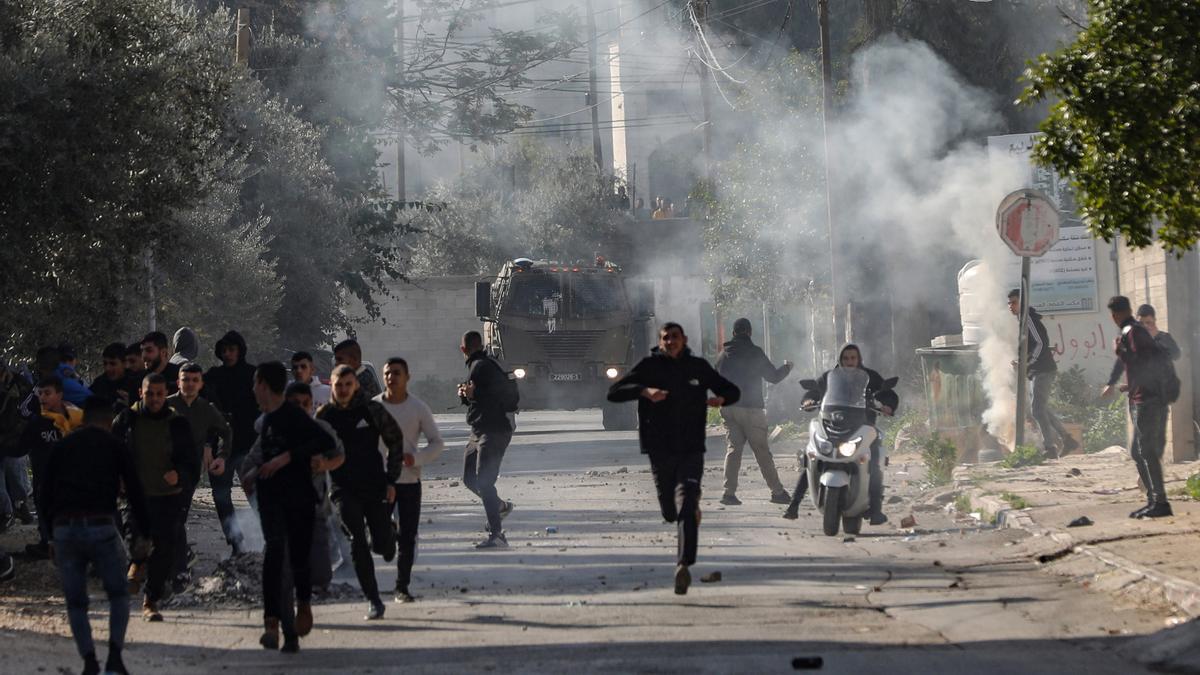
(14, 483)
(75, 546)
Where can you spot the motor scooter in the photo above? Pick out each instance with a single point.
(838, 454)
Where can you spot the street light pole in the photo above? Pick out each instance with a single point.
(836, 289)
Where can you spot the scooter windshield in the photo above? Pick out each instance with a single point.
(845, 388)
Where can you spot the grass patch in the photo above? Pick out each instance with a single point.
(962, 503)
(1025, 455)
(1016, 501)
(1192, 489)
(940, 457)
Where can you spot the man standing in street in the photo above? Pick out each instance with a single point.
(1146, 317)
(305, 372)
(157, 358)
(290, 440)
(746, 365)
(414, 418)
(207, 424)
(115, 383)
(1042, 370)
(230, 387)
(84, 474)
(166, 459)
(1144, 383)
(489, 396)
(364, 486)
(349, 353)
(671, 387)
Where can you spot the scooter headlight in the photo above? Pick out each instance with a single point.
(823, 446)
(850, 447)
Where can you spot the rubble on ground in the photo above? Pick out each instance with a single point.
(238, 581)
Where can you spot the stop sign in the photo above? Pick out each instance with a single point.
(1028, 222)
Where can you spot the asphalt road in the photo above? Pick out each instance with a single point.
(596, 595)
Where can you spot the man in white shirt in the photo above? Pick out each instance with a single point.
(414, 417)
(305, 372)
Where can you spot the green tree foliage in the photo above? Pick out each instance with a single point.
(766, 221)
(1126, 123)
(529, 199)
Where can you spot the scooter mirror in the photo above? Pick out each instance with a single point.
(808, 384)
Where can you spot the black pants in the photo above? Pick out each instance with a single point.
(165, 514)
(1149, 439)
(677, 479)
(1053, 431)
(362, 514)
(481, 469)
(408, 520)
(179, 565)
(287, 529)
(875, 479)
(222, 493)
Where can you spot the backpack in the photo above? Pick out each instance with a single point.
(1168, 380)
(509, 395)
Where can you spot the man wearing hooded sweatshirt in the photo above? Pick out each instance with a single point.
(230, 387)
(671, 387)
(185, 346)
(1042, 371)
(164, 455)
(745, 364)
(364, 486)
(888, 400)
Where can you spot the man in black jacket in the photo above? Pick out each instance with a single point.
(230, 387)
(483, 394)
(888, 400)
(364, 486)
(1144, 384)
(1042, 370)
(746, 365)
(671, 387)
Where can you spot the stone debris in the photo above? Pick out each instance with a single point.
(1081, 521)
(238, 581)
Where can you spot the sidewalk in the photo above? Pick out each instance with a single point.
(1163, 554)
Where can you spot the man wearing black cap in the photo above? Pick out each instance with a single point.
(745, 364)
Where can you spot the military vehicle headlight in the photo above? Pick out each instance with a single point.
(612, 373)
(519, 372)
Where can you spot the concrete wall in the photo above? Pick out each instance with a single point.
(1170, 284)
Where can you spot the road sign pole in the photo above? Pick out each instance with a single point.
(1022, 355)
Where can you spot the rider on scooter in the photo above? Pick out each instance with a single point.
(888, 400)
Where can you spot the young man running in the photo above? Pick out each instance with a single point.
(290, 439)
(415, 418)
(364, 487)
(491, 431)
(671, 387)
(84, 474)
(305, 372)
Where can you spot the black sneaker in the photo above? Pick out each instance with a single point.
(683, 579)
(115, 664)
(403, 596)
(375, 611)
(1138, 513)
(732, 500)
(8, 568)
(781, 497)
(492, 542)
(24, 514)
(505, 509)
(291, 644)
(1159, 510)
(90, 665)
(878, 518)
(792, 513)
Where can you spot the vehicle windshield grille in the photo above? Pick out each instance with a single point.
(567, 344)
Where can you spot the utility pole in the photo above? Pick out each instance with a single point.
(401, 178)
(700, 8)
(242, 54)
(836, 290)
(593, 99)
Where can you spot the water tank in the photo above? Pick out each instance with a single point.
(972, 299)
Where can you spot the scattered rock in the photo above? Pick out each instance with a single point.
(1081, 521)
(895, 499)
(453, 483)
(1075, 472)
(551, 530)
(623, 469)
(908, 521)
(711, 578)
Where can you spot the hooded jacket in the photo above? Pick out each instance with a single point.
(675, 425)
(1041, 356)
(875, 390)
(231, 389)
(745, 364)
(364, 426)
(484, 410)
(185, 346)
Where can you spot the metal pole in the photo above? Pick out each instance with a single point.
(593, 99)
(835, 289)
(401, 179)
(1022, 355)
(242, 50)
(701, 9)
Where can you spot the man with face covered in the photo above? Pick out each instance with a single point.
(888, 400)
(230, 387)
(672, 390)
(165, 457)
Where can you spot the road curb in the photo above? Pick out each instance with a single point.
(1183, 594)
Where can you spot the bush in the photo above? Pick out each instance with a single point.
(1193, 487)
(1025, 455)
(915, 418)
(1105, 426)
(1016, 501)
(940, 457)
(1073, 398)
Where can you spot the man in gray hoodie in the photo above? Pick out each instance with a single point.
(185, 346)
